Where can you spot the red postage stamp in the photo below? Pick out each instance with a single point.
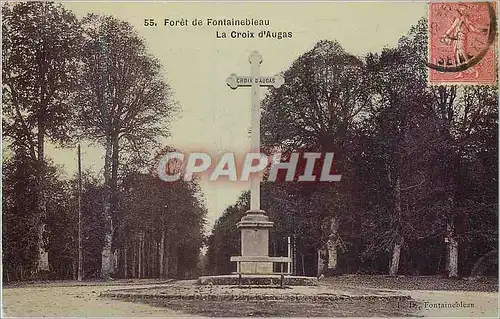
(462, 41)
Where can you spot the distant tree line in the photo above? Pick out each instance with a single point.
(65, 81)
(419, 166)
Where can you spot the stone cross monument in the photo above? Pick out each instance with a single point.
(255, 224)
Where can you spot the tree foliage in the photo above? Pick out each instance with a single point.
(40, 56)
(92, 79)
(125, 104)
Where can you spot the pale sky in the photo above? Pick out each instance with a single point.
(213, 117)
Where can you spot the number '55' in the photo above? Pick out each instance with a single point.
(149, 22)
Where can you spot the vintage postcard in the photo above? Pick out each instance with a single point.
(242, 159)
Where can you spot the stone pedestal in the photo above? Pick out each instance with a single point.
(254, 228)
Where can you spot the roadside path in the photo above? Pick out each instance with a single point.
(76, 301)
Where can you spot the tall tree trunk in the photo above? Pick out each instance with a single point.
(167, 259)
(394, 263)
(396, 252)
(125, 260)
(114, 189)
(145, 257)
(451, 160)
(42, 262)
(114, 261)
(162, 254)
(331, 246)
(134, 257)
(108, 222)
(152, 253)
(114, 173)
(332, 257)
(156, 263)
(148, 257)
(303, 265)
(321, 261)
(139, 254)
(294, 256)
(74, 268)
(157, 259)
(452, 252)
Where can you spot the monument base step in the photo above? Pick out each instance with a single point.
(258, 280)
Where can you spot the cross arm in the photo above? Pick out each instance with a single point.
(234, 81)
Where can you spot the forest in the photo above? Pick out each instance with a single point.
(67, 81)
(419, 166)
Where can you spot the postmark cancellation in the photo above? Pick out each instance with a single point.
(462, 43)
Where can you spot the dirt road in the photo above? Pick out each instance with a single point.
(71, 301)
(63, 300)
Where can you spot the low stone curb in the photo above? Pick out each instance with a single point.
(247, 297)
(256, 280)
